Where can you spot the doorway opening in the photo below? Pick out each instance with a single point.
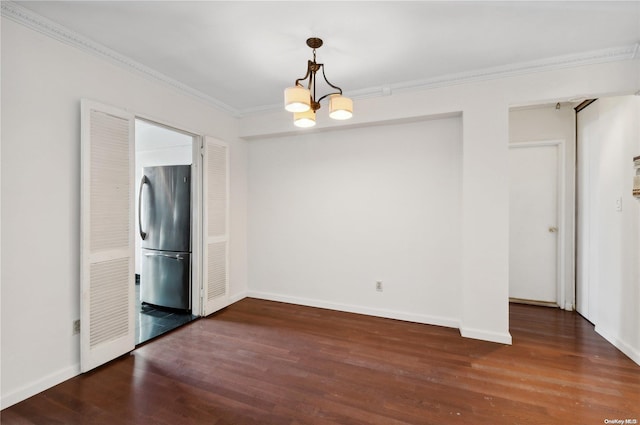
(108, 229)
(541, 204)
(163, 239)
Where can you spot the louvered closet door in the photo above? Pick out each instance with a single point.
(216, 199)
(107, 244)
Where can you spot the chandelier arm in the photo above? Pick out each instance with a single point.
(313, 82)
(329, 94)
(339, 90)
(305, 76)
(301, 79)
(327, 81)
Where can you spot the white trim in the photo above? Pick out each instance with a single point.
(627, 349)
(499, 337)
(586, 282)
(561, 300)
(237, 297)
(49, 28)
(593, 57)
(35, 387)
(61, 33)
(196, 225)
(613, 54)
(350, 308)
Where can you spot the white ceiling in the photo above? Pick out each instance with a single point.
(243, 54)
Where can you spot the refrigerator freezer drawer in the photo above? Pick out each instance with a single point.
(165, 279)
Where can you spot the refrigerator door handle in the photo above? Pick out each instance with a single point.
(144, 181)
(174, 257)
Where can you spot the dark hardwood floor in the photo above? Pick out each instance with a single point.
(261, 362)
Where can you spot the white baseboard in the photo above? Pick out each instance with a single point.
(568, 306)
(56, 378)
(502, 338)
(237, 297)
(38, 386)
(350, 308)
(499, 337)
(628, 350)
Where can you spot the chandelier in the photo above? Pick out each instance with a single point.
(303, 101)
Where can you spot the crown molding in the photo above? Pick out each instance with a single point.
(594, 57)
(49, 28)
(615, 54)
(45, 26)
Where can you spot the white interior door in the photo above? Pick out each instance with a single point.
(107, 244)
(215, 271)
(533, 221)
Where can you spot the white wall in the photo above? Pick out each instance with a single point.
(484, 105)
(331, 213)
(43, 81)
(545, 123)
(612, 129)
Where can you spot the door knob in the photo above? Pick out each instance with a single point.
(553, 229)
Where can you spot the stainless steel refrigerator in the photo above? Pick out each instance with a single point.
(164, 217)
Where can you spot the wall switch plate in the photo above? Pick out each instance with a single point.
(619, 204)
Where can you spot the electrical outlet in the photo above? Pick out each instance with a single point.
(76, 327)
(379, 285)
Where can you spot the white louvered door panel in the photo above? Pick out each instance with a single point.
(106, 234)
(216, 218)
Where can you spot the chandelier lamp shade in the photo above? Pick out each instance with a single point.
(303, 101)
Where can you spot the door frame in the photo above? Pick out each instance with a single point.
(199, 206)
(561, 300)
(199, 248)
(196, 206)
(585, 284)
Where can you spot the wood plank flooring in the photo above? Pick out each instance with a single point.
(262, 362)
